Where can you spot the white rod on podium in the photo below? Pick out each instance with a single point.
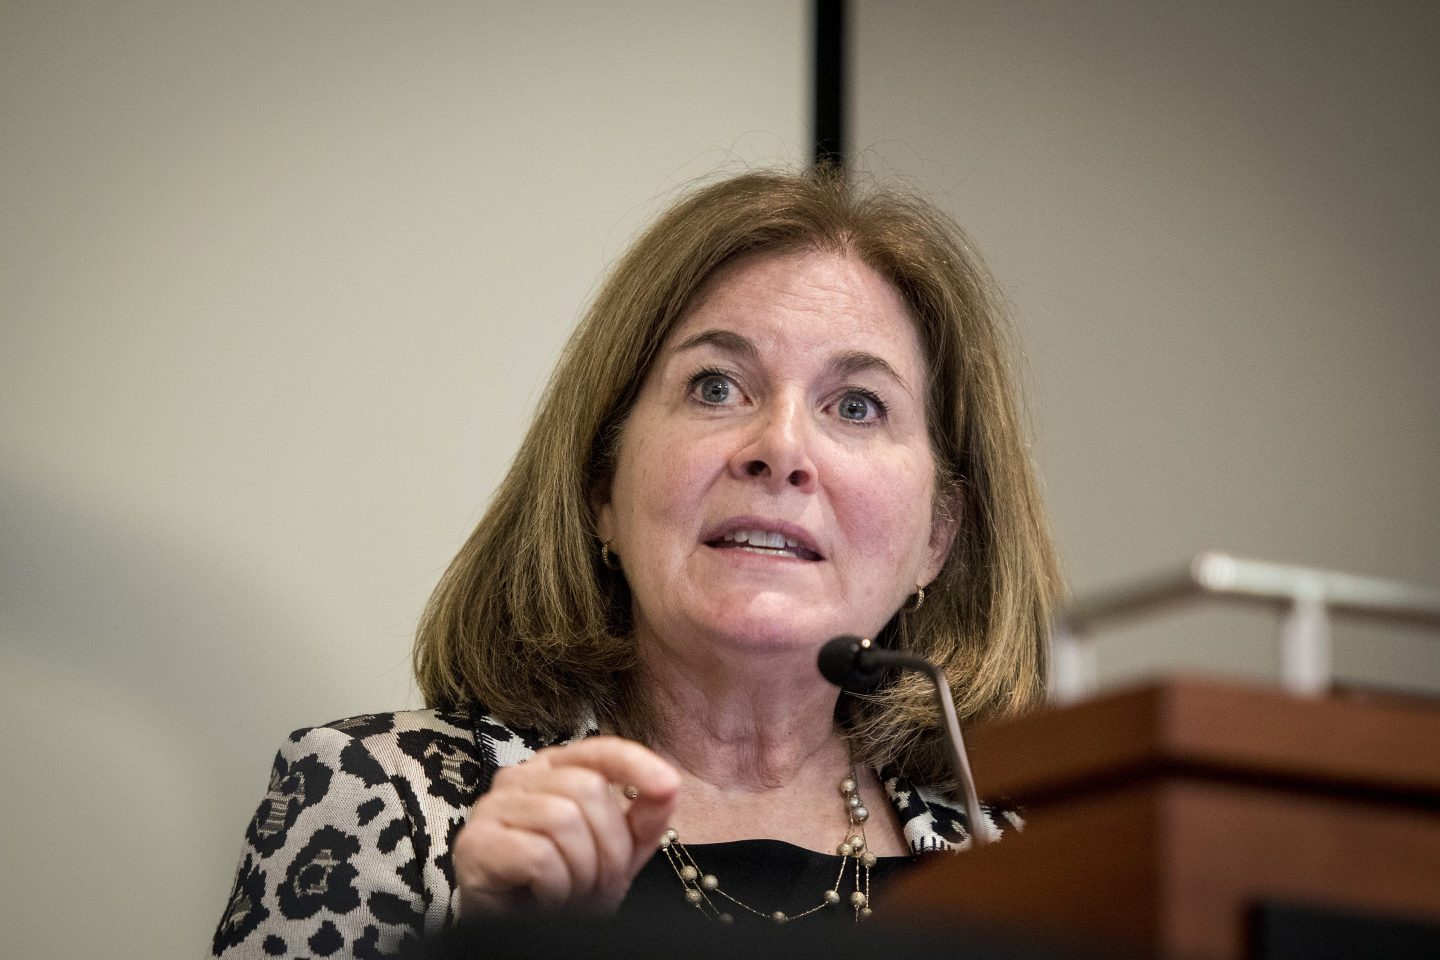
(1306, 598)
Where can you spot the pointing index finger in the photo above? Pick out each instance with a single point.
(622, 762)
(628, 764)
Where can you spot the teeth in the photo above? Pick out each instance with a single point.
(762, 538)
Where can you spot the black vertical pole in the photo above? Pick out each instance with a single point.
(829, 94)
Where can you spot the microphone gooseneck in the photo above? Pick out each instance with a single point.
(854, 665)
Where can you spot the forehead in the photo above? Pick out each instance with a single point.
(816, 300)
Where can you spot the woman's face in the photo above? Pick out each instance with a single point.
(774, 485)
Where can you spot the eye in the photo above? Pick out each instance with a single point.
(712, 387)
(860, 407)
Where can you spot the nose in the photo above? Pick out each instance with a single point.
(778, 452)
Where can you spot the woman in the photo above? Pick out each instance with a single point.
(787, 416)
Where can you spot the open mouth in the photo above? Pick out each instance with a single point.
(765, 542)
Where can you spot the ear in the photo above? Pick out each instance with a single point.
(943, 524)
(604, 512)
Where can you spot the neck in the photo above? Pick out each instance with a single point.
(768, 723)
(754, 738)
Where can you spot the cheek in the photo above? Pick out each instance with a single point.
(886, 506)
(661, 481)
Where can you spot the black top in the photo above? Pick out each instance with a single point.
(766, 875)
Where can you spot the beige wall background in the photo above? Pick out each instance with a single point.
(1219, 224)
(280, 283)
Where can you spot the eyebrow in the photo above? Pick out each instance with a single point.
(858, 361)
(725, 340)
(846, 364)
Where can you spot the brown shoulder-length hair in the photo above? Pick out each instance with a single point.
(529, 623)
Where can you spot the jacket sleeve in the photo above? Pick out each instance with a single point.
(330, 865)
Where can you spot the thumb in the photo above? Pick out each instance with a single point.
(649, 817)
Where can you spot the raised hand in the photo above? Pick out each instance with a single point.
(556, 831)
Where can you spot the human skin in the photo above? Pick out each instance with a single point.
(790, 399)
(789, 437)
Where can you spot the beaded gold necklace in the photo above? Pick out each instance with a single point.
(702, 888)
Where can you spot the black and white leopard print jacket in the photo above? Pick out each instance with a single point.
(349, 852)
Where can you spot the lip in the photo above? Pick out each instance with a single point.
(788, 530)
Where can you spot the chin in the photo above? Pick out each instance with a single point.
(772, 638)
(753, 621)
(778, 625)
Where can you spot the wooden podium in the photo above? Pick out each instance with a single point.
(1159, 818)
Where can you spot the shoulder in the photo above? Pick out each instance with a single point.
(345, 842)
(352, 838)
(424, 753)
(453, 753)
(390, 785)
(933, 821)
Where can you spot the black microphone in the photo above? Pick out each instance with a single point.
(851, 664)
(855, 665)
